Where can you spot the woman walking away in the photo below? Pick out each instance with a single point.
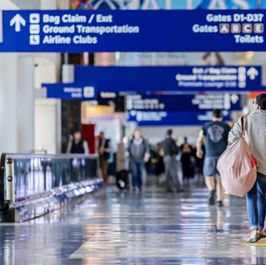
(256, 138)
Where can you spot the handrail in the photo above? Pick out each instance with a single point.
(46, 156)
(2, 182)
(35, 184)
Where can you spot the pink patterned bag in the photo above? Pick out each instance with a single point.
(237, 167)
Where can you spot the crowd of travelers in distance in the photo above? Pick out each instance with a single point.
(194, 161)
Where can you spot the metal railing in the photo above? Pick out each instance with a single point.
(27, 176)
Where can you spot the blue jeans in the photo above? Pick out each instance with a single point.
(256, 203)
(136, 171)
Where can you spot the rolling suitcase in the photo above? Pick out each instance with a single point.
(122, 179)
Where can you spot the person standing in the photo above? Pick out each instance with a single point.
(187, 163)
(256, 138)
(139, 153)
(215, 136)
(104, 155)
(76, 144)
(170, 150)
(159, 162)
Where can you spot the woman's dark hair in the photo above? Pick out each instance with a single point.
(261, 101)
(217, 113)
(169, 132)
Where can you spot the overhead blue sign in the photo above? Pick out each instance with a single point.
(170, 118)
(172, 103)
(169, 4)
(133, 31)
(231, 4)
(168, 78)
(70, 91)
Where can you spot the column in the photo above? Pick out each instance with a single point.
(25, 104)
(8, 102)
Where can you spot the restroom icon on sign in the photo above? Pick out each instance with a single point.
(224, 28)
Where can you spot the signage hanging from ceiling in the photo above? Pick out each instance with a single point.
(133, 31)
(172, 78)
(167, 4)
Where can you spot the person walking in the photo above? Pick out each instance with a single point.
(139, 153)
(256, 138)
(76, 144)
(215, 136)
(170, 150)
(104, 155)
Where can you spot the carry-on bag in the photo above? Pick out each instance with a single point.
(237, 166)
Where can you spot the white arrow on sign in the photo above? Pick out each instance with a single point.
(18, 21)
(252, 73)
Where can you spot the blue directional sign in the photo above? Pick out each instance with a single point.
(150, 110)
(197, 102)
(71, 91)
(171, 118)
(169, 4)
(132, 31)
(168, 78)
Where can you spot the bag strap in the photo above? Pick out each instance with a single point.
(243, 125)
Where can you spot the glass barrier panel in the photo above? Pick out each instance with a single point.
(37, 174)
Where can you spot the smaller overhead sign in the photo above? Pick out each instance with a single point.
(172, 78)
(149, 110)
(172, 118)
(70, 91)
(196, 102)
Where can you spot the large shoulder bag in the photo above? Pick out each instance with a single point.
(237, 166)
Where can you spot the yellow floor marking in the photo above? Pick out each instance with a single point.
(260, 243)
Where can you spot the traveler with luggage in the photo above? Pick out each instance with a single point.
(139, 153)
(215, 137)
(255, 131)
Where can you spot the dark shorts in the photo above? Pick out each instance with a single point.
(210, 166)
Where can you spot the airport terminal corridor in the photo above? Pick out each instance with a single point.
(112, 227)
(123, 123)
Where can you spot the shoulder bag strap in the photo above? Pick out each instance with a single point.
(243, 125)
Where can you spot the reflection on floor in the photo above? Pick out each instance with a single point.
(149, 228)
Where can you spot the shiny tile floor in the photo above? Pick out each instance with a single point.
(135, 229)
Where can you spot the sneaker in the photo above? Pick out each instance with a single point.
(254, 237)
(220, 204)
(262, 233)
(212, 198)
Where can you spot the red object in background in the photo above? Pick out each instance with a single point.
(88, 134)
(253, 95)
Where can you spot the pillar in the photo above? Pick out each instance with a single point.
(8, 103)
(25, 104)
